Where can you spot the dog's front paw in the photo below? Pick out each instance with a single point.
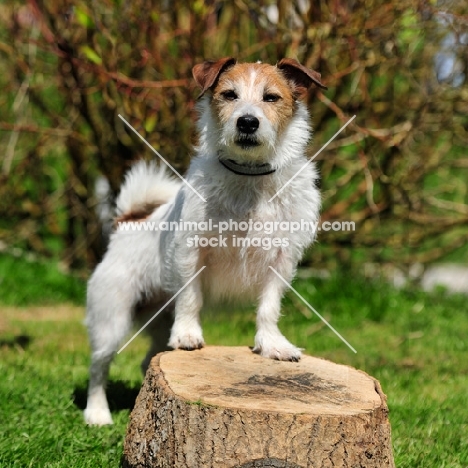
(276, 347)
(188, 340)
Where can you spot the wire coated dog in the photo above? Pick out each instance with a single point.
(253, 134)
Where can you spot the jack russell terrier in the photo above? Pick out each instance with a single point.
(250, 166)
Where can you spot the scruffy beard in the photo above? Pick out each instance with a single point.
(247, 142)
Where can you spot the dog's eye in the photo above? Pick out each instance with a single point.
(229, 95)
(270, 97)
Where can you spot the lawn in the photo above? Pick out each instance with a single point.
(414, 343)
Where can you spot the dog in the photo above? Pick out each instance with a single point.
(249, 166)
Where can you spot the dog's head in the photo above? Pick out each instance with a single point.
(252, 103)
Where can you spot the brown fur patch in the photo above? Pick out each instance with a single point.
(251, 82)
(137, 215)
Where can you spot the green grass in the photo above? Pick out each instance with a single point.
(25, 282)
(414, 343)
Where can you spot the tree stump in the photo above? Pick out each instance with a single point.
(228, 407)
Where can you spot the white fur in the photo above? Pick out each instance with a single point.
(150, 267)
(144, 185)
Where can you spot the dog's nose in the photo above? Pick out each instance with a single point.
(248, 124)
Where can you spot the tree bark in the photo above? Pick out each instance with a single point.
(228, 407)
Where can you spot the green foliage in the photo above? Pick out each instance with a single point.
(83, 63)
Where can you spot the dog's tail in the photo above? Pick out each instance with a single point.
(146, 187)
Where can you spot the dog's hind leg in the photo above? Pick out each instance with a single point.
(97, 409)
(109, 319)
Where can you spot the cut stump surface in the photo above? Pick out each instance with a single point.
(228, 407)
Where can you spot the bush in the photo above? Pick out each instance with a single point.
(398, 171)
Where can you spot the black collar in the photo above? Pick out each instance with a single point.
(247, 169)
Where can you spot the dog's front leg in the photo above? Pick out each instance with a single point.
(269, 341)
(187, 332)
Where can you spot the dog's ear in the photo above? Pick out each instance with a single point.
(301, 76)
(208, 72)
